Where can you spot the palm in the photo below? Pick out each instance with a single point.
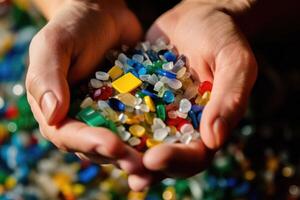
(216, 52)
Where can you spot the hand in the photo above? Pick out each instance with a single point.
(67, 49)
(216, 52)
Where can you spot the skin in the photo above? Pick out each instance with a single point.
(217, 51)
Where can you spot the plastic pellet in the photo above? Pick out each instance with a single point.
(137, 130)
(151, 142)
(102, 76)
(168, 97)
(160, 134)
(91, 117)
(86, 102)
(205, 86)
(185, 106)
(115, 72)
(134, 141)
(161, 111)
(149, 102)
(96, 83)
(168, 74)
(116, 104)
(126, 83)
(193, 117)
(149, 97)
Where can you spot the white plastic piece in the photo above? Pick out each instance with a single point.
(158, 86)
(142, 107)
(168, 66)
(174, 84)
(125, 135)
(88, 101)
(171, 139)
(160, 134)
(134, 141)
(102, 76)
(181, 72)
(187, 129)
(157, 124)
(122, 58)
(95, 83)
(138, 57)
(186, 138)
(185, 106)
(123, 118)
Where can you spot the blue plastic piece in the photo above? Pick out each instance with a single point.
(170, 56)
(193, 117)
(142, 71)
(199, 116)
(197, 108)
(88, 174)
(116, 104)
(168, 97)
(168, 74)
(152, 95)
(152, 55)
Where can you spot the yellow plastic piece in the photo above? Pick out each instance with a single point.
(149, 117)
(127, 98)
(115, 72)
(169, 193)
(137, 130)
(151, 142)
(78, 189)
(149, 102)
(136, 195)
(2, 189)
(3, 133)
(203, 100)
(126, 83)
(173, 130)
(10, 183)
(136, 119)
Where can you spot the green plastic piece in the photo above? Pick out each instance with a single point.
(161, 111)
(140, 94)
(3, 176)
(112, 126)
(91, 117)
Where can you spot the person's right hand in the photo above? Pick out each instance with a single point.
(66, 50)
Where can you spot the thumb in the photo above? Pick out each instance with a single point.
(49, 58)
(234, 77)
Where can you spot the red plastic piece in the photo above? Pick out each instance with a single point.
(103, 93)
(171, 106)
(11, 112)
(142, 146)
(181, 123)
(204, 87)
(175, 122)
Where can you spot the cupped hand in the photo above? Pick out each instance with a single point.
(218, 52)
(67, 49)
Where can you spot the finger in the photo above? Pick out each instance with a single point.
(233, 80)
(95, 158)
(142, 182)
(49, 58)
(178, 160)
(74, 136)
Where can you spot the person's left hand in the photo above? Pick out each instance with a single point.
(217, 52)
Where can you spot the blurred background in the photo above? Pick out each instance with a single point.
(260, 161)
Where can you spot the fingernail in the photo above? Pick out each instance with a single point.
(48, 105)
(220, 129)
